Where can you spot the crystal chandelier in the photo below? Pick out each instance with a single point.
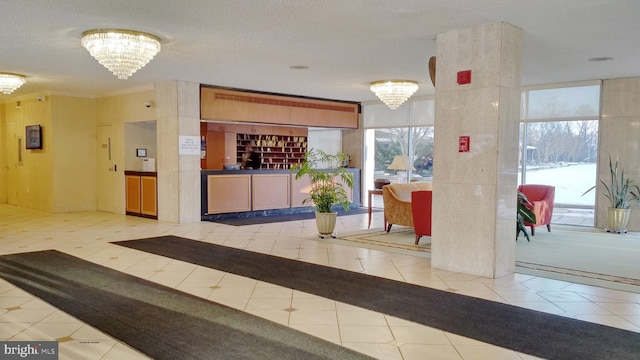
(10, 82)
(394, 92)
(123, 52)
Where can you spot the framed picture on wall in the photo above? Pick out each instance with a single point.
(141, 152)
(34, 137)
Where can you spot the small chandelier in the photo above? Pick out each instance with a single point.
(10, 82)
(394, 92)
(123, 52)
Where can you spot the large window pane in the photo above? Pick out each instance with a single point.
(579, 101)
(422, 138)
(389, 142)
(563, 154)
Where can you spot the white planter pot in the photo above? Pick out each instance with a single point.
(617, 220)
(326, 222)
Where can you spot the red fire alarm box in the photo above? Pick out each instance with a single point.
(463, 143)
(464, 77)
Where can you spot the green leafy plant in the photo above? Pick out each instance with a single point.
(324, 170)
(524, 214)
(620, 190)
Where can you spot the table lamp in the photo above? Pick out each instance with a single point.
(403, 165)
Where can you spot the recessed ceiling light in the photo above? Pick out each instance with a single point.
(601, 58)
(298, 67)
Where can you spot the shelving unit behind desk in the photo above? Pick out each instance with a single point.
(278, 152)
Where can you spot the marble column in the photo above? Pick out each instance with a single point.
(178, 114)
(619, 132)
(474, 192)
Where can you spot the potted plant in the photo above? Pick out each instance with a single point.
(621, 192)
(324, 171)
(524, 214)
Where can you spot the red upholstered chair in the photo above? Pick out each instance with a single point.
(397, 203)
(542, 198)
(421, 209)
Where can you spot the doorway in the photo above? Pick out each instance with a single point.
(107, 169)
(14, 160)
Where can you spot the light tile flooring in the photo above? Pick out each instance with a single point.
(88, 236)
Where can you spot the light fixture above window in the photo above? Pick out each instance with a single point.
(123, 52)
(10, 82)
(394, 92)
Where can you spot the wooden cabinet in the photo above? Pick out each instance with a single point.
(132, 190)
(141, 194)
(278, 152)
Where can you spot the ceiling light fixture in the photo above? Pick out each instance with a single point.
(394, 92)
(123, 52)
(10, 82)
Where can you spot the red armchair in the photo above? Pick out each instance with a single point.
(421, 209)
(542, 198)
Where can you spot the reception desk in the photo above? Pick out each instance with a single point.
(245, 192)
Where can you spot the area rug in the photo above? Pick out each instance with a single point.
(158, 321)
(582, 252)
(398, 239)
(583, 255)
(522, 330)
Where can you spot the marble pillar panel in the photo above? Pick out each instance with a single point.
(474, 232)
(492, 52)
(166, 99)
(178, 104)
(467, 112)
(462, 236)
(619, 133)
(189, 102)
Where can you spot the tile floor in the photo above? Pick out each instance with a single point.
(88, 236)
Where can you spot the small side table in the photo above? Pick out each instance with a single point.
(372, 192)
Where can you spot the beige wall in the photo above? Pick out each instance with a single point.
(73, 145)
(62, 176)
(31, 181)
(619, 136)
(3, 157)
(139, 135)
(58, 177)
(116, 110)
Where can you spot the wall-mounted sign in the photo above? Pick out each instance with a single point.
(464, 143)
(141, 152)
(189, 145)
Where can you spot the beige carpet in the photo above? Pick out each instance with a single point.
(399, 239)
(584, 252)
(574, 253)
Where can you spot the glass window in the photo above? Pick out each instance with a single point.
(563, 154)
(567, 102)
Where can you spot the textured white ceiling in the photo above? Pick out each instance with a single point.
(347, 44)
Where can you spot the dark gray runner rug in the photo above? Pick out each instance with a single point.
(158, 321)
(523, 330)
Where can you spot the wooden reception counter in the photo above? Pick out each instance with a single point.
(248, 191)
